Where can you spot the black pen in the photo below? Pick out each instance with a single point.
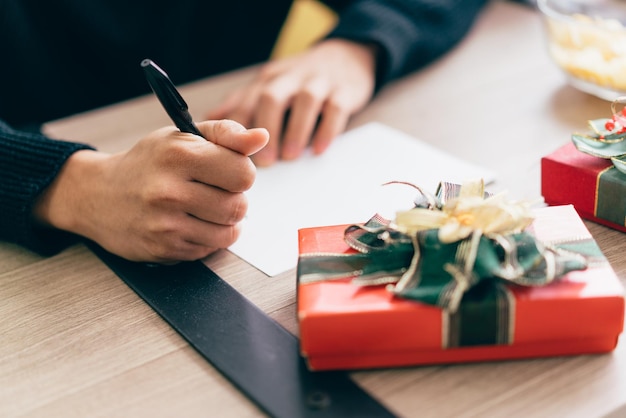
(170, 98)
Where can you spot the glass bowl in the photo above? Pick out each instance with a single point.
(587, 40)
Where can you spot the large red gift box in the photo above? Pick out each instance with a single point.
(593, 185)
(345, 326)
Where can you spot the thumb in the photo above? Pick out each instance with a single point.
(234, 136)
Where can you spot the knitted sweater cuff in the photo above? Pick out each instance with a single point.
(29, 163)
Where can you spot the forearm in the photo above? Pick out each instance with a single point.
(29, 163)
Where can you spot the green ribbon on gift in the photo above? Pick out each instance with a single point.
(610, 197)
(603, 143)
(467, 278)
(600, 142)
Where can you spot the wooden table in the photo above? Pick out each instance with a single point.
(75, 341)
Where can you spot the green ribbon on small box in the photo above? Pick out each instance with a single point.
(606, 139)
(458, 250)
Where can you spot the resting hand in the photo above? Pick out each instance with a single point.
(330, 82)
(173, 196)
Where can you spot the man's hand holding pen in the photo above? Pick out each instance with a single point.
(180, 196)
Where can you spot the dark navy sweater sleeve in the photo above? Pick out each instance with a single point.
(29, 162)
(409, 33)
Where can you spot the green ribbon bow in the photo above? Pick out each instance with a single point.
(421, 266)
(603, 143)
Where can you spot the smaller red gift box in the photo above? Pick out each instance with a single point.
(345, 326)
(593, 185)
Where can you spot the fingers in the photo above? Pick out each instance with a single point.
(273, 102)
(288, 107)
(304, 115)
(186, 239)
(306, 99)
(201, 201)
(234, 136)
(334, 120)
(187, 220)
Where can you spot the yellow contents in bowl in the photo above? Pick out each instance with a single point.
(590, 49)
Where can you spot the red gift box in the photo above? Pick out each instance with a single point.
(345, 326)
(593, 185)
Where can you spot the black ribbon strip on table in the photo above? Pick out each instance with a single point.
(258, 355)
